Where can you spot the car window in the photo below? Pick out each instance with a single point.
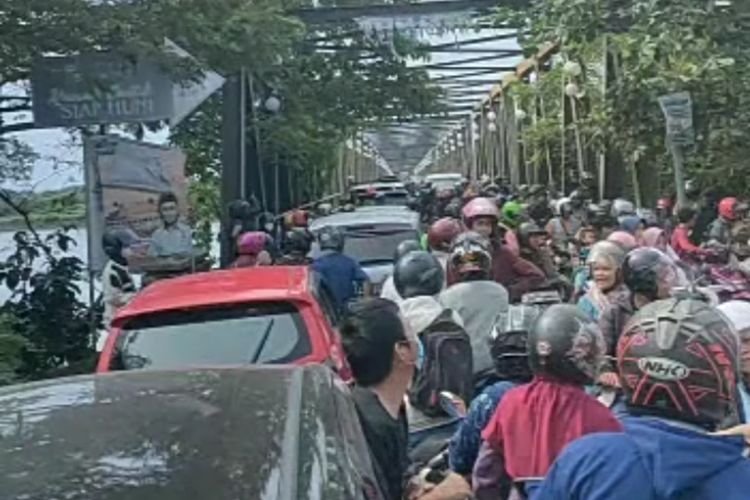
(270, 333)
(373, 244)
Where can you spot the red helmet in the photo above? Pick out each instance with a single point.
(442, 232)
(727, 208)
(300, 218)
(251, 243)
(479, 207)
(679, 358)
(664, 204)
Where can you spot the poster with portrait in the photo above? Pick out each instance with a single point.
(138, 192)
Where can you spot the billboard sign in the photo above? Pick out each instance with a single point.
(678, 111)
(98, 88)
(138, 189)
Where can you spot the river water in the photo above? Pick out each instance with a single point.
(79, 250)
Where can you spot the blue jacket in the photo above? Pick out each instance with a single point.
(651, 460)
(465, 443)
(339, 272)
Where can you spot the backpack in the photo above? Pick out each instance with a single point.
(447, 365)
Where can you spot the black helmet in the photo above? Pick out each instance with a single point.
(114, 241)
(565, 345)
(527, 230)
(509, 343)
(331, 238)
(405, 247)
(679, 358)
(418, 273)
(471, 256)
(297, 241)
(648, 271)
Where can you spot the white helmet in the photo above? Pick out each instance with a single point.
(622, 207)
(738, 312)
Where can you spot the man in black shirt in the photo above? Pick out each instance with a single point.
(383, 353)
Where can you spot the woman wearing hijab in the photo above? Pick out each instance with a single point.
(656, 237)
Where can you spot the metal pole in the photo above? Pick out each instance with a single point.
(679, 174)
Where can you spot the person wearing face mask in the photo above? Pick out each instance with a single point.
(605, 263)
(174, 238)
(383, 353)
(518, 275)
(738, 312)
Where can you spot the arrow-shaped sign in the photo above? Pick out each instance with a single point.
(188, 96)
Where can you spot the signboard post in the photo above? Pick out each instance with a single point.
(678, 111)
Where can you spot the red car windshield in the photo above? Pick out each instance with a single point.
(263, 333)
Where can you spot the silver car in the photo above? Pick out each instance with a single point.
(372, 235)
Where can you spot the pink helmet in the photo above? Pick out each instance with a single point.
(480, 207)
(251, 243)
(624, 240)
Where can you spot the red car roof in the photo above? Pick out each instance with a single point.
(219, 287)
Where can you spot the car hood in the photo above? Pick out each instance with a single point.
(219, 434)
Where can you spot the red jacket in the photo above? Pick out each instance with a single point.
(682, 245)
(534, 422)
(516, 274)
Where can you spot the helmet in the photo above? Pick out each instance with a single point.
(647, 271)
(629, 223)
(527, 230)
(442, 232)
(622, 207)
(114, 241)
(664, 204)
(509, 343)
(331, 238)
(324, 208)
(564, 344)
(563, 204)
(679, 358)
(471, 256)
(418, 273)
(406, 246)
(648, 217)
(251, 243)
(536, 190)
(479, 207)
(512, 213)
(445, 193)
(300, 218)
(298, 241)
(728, 208)
(624, 240)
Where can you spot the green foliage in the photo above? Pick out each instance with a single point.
(656, 47)
(44, 326)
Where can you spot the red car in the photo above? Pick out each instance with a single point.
(260, 315)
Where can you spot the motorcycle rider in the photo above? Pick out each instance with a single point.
(510, 356)
(681, 237)
(738, 312)
(338, 271)
(516, 274)
(533, 242)
(297, 244)
(664, 217)
(605, 267)
(251, 250)
(440, 236)
(389, 290)
(563, 228)
(678, 360)
(649, 275)
(535, 421)
(720, 230)
(118, 286)
(479, 300)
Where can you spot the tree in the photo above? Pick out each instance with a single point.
(654, 47)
